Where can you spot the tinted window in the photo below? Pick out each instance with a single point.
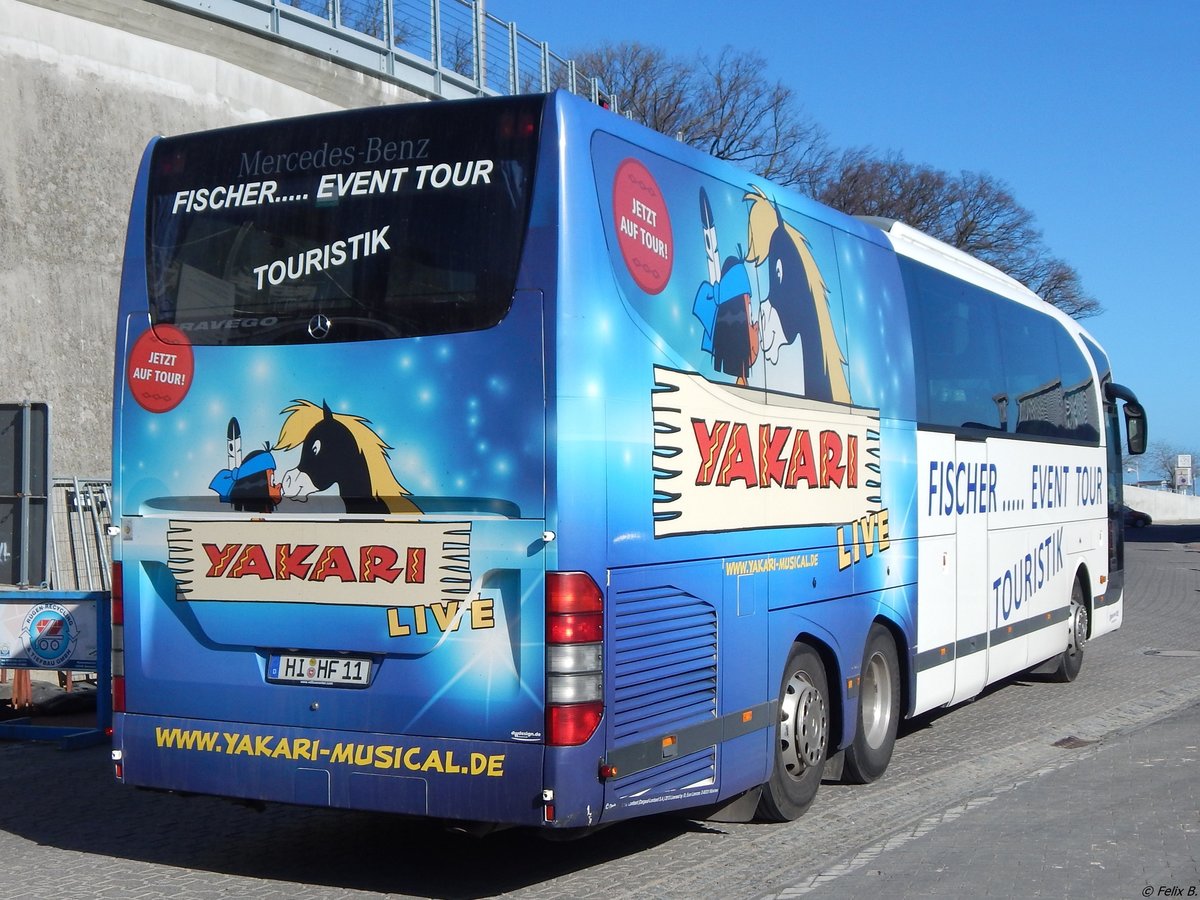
(1100, 359)
(1081, 418)
(392, 221)
(985, 362)
(959, 376)
(1032, 378)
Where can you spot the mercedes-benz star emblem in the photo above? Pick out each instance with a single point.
(318, 326)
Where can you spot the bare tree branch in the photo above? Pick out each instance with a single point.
(971, 211)
(728, 107)
(724, 106)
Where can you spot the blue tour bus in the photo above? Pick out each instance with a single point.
(505, 462)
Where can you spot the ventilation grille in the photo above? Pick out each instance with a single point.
(664, 664)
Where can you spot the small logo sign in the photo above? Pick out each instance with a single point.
(318, 326)
(161, 368)
(643, 226)
(49, 635)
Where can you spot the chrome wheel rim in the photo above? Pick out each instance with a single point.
(803, 723)
(875, 700)
(1079, 626)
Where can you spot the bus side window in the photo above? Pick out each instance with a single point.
(958, 372)
(1032, 374)
(1081, 413)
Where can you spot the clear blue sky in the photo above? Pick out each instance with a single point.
(1088, 109)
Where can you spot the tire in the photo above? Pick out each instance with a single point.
(801, 738)
(867, 758)
(1071, 660)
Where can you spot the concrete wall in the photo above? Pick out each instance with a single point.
(1164, 506)
(83, 86)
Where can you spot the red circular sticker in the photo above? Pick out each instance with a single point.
(643, 226)
(160, 373)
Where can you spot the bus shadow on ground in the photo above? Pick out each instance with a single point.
(929, 718)
(69, 801)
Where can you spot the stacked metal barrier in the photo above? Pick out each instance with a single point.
(80, 552)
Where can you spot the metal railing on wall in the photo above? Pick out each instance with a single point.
(441, 48)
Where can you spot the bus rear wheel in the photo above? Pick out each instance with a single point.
(1071, 660)
(802, 738)
(867, 758)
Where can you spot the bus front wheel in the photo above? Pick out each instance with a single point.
(1071, 660)
(868, 756)
(801, 738)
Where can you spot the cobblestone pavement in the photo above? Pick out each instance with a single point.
(1034, 789)
(1112, 821)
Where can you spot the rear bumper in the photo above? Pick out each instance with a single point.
(486, 781)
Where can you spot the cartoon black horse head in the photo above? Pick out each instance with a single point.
(796, 309)
(343, 450)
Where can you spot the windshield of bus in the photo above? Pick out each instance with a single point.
(394, 221)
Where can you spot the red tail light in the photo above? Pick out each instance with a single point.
(117, 656)
(574, 609)
(118, 592)
(586, 628)
(574, 658)
(572, 592)
(572, 725)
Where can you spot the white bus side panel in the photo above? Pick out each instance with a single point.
(1004, 526)
(974, 480)
(1050, 523)
(952, 498)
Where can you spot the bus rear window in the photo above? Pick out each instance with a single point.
(391, 222)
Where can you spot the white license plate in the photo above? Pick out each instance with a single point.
(344, 671)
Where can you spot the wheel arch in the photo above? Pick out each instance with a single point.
(840, 691)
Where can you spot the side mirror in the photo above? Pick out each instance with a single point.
(1135, 428)
(1135, 416)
